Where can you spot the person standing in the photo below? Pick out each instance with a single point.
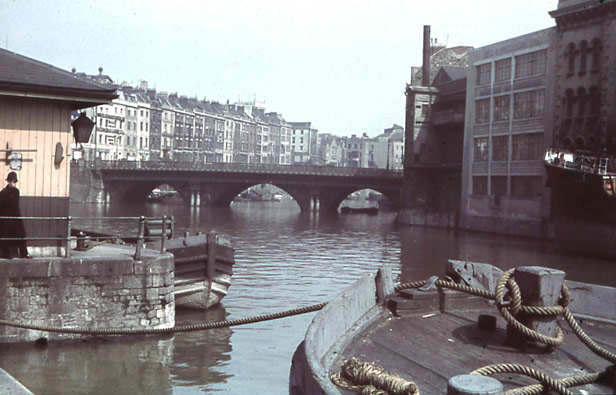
(11, 228)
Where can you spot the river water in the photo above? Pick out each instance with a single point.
(284, 259)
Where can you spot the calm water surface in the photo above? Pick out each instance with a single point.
(284, 259)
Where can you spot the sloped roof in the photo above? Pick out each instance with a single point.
(20, 74)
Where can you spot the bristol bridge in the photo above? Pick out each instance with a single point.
(217, 184)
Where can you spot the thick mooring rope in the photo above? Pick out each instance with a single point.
(571, 381)
(547, 381)
(176, 329)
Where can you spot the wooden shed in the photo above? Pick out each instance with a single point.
(36, 101)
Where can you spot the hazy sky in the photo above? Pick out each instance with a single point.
(342, 65)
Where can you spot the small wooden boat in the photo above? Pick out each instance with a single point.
(203, 263)
(427, 340)
(362, 210)
(203, 269)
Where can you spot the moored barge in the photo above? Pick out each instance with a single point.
(583, 201)
(426, 337)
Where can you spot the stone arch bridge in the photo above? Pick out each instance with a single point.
(323, 187)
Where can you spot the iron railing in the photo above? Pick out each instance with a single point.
(146, 230)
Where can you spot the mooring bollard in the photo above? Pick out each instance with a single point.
(474, 384)
(69, 226)
(137, 256)
(163, 234)
(539, 286)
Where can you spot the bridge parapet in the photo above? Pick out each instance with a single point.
(245, 168)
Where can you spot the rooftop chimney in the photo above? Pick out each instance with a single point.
(425, 69)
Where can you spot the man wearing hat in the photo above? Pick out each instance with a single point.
(11, 228)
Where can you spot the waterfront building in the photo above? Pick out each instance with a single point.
(357, 151)
(389, 151)
(584, 77)
(142, 135)
(435, 107)
(304, 143)
(36, 101)
(156, 123)
(129, 100)
(331, 149)
(167, 126)
(507, 124)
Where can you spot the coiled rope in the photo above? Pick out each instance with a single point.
(369, 378)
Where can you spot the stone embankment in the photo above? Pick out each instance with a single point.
(104, 288)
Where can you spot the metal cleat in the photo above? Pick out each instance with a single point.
(430, 284)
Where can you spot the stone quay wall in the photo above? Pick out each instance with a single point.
(90, 292)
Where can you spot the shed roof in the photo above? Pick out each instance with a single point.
(26, 77)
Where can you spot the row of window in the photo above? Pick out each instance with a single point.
(525, 105)
(529, 186)
(583, 50)
(526, 65)
(523, 147)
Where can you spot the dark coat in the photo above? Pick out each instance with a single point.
(9, 207)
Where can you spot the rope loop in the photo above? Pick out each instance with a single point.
(517, 307)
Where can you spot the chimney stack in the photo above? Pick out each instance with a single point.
(425, 69)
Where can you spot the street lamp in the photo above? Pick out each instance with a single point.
(82, 128)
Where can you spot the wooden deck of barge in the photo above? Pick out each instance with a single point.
(428, 347)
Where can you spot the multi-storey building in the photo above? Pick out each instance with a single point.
(304, 143)
(507, 123)
(584, 77)
(389, 150)
(331, 150)
(280, 137)
(167, 126)
(143, 124)
(156, 123)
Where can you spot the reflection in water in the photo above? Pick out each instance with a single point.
(129, 365)
(199, 357)
(126, 366)
(284, 259)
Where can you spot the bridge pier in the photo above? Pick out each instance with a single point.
(315, 203)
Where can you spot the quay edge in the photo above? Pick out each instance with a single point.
(103, 288)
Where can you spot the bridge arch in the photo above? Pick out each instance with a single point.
(330, 200)
(138, 191)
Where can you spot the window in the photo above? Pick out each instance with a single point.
(526, 185)
(527, 146)
(570, 55)
(480, 185)
(500, 148)
(583, 55)
(482, 111)
(483, 73)
(533, 63)
(481, 150)
(502, 70)
(501, 108)
(596, 53)
(499, 185)
(529, 104)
